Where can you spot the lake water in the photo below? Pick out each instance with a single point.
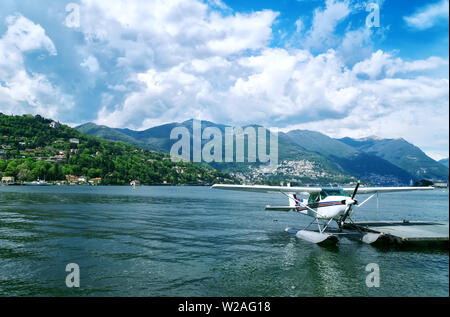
(195, 241)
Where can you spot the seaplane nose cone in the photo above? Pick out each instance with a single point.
(351, 202)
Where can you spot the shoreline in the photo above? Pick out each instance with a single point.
(87, 185)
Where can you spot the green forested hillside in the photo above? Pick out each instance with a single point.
(111, 134)
(30, 148)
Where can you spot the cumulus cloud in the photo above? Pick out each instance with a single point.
(355, 45)
(429, 15)
(168, 32)
(24, 35)
(280, 87)
(414, 108)
(384, 64)
(22, 91)
(221, 68)
(321, 35)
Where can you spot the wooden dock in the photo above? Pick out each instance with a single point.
(405, 232)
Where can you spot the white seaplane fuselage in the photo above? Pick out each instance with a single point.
(330, 207)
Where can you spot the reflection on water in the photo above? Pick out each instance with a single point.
(194, 241)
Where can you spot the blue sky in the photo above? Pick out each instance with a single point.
(287, 64)
(410, 42)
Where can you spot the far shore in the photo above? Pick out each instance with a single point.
(104, 185)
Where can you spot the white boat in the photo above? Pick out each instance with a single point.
(38, 183)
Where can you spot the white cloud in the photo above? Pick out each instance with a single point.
(168, 32)
(91, 63)
(24, 35)
(415, 109)
(429, 15)
(384, 64)
(321, 35)
(22, 91)
(234, 34)
(355, 45)
(286, 86)
(299, 25)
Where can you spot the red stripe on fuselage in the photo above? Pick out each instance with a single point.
(319, 205)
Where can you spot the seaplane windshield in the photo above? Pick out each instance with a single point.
(315, 197)
(332, 192)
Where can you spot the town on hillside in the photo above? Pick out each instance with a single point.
(38, 151)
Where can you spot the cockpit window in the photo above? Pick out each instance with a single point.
(313, 198)
(332, 192)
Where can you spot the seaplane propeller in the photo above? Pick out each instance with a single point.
(350, 202)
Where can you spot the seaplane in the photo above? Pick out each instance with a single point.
(324, 205)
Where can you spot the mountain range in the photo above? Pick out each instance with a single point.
(375, 160)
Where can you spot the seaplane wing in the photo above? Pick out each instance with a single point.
(374, 190)
(309, 190)
(268, 189)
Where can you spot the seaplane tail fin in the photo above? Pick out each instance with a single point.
(293, 200)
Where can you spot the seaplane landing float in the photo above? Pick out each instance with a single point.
(326, 205)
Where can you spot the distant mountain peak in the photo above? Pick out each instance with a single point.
(87, 124)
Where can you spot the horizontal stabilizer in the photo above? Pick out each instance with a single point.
(280, 208)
